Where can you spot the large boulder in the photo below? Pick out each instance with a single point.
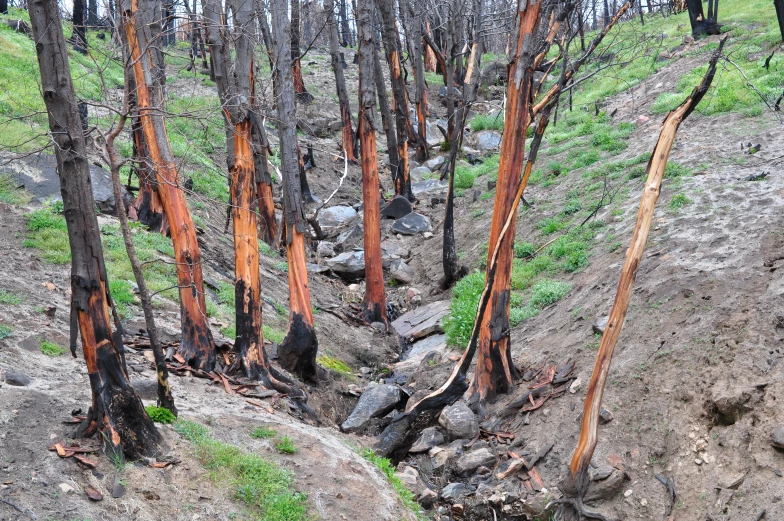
(38, 174)
(487, 140)
(396, 208)
(412, 224)
(350, 263)
(459, 422)
(401, 271)
(419, 173)
(435, 163)
(335, 216)
(471, 461)
(349, 237)
(429, 187)
(429, 438)
(375, 402)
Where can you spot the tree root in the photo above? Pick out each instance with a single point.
(573, 508)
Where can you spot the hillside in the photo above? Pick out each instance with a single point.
(696, 381)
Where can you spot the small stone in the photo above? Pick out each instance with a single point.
(401, 271)
(698, 461)
(435, 163)
(777, 438)
(453, 491)
(701, 445)
(427, 498)
(606, 488)
(641, 120)
(335, 215)
(350, 263)
(375, 402)
(599, 326)
(429, 438)
(65, 488)
(627, 493)
(325, 249)
(396, 208)
(488, 140)
(644, 502)
(412, 224)
(17, 378)
(576, 385)
(605, 416)
(473, 460)
(427, 235)
(457, 509)
(379, 326)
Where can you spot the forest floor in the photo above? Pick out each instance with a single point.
(695, 387)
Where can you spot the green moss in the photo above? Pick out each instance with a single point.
(334, 364)
(265, 488)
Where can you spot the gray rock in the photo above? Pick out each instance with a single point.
(396, 208)
(325, 249)
(412, 224)
(729, 402)
(147, 389)
(434, 136)
(606, 488)
(316, 268)
(473, 460)
(427, 498)
(459, 422)
(600, 473)
(350, 263)
(401, 271)
(488, 140)
(16, 378)
(335, 125)
(349, 238)
(493, 74)
(605, 416)
(335, 215)
(777, 438)
(599, 326)
(435, 163)
(375, 402)
(429, 187)
(418, 174)
(453, 491)
(38, 174)
(429, 438)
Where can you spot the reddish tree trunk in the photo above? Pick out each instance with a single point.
(196, 345)
(116, 410)
(374, 305)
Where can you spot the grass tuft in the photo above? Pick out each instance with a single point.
(262, 433)
(285, 446)
(160, 414)
(11, 299)
(51, 349)
(388, 469)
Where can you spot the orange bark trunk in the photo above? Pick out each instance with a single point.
(268, 222)
(196, 345)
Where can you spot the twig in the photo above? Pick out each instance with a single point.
(12, 505)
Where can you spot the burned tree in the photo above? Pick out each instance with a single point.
(297, 352)
(116, 411)
(374, 305)
(196, 345)
(79, 36)
(576, 482)
(702, 25)
(296, 68)
(340, 82)
(403, 128)
(414, 34)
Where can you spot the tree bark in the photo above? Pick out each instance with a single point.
(340, 82)
(383, 107)
(297, 352)
(374, 306)
(196, 345)
(576, 482)
(79, 37)
(3, 6)
(116, 410)
(345, 32)
(415, 38)
(779, 4)
(403, 127)
(299, 84)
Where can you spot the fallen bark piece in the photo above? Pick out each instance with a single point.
(84, 460)
(93, 493)
(509, 467)
(60, 450)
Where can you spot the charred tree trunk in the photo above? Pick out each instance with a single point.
(701, 24)
(576, 483)
(780, 16)
(296, 68)
(116, 411)
(297, 352)
(345, 32)
(383, 106)
(196, 345)
(340, 82)
(3, 6)
(92, 13)
(429, 56)
(374, 306)
(417, 22)
(79, 38)
(403, 127)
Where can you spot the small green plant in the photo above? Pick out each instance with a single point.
(487, 122)
(282, 267)
(547, 292)
(523, 250)
(6, 297)
(679, 201)
(262, 433)
(550, 225)
(51, 349)
(465, 302)
(5, 331)
(334, 364)
(477, 213)
(285, 446)
(160, 414)
(388, 469)
(226, 294)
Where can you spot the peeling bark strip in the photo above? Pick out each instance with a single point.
(116, 410)
(340, 82)
(374, 307)
(298, 350)
(403, 128)
(196, 345)
(576, 482)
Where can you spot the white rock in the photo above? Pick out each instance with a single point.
(627, 493)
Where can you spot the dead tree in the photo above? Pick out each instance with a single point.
(414, 36)
(779, 4)
(701, 24)
(576, 482)
(116, 411)
(403, 128)
(384, 108)
(374, 306)
(297, 352)
(340, 82)
(299, 84)
(196, 345)
(79, 37)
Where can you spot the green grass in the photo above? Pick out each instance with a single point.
(547, 292)
(51, 349)
(285, 446)
(262, 433)
(226, 294)
(160, 414)
(5, 331)
(465, 303)
(488, 122)
(9, 298)
(678, 201)
(388, 469)
(524, 249)
(9, 191)
(264, 487)
(334, 364)
(466, 175)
